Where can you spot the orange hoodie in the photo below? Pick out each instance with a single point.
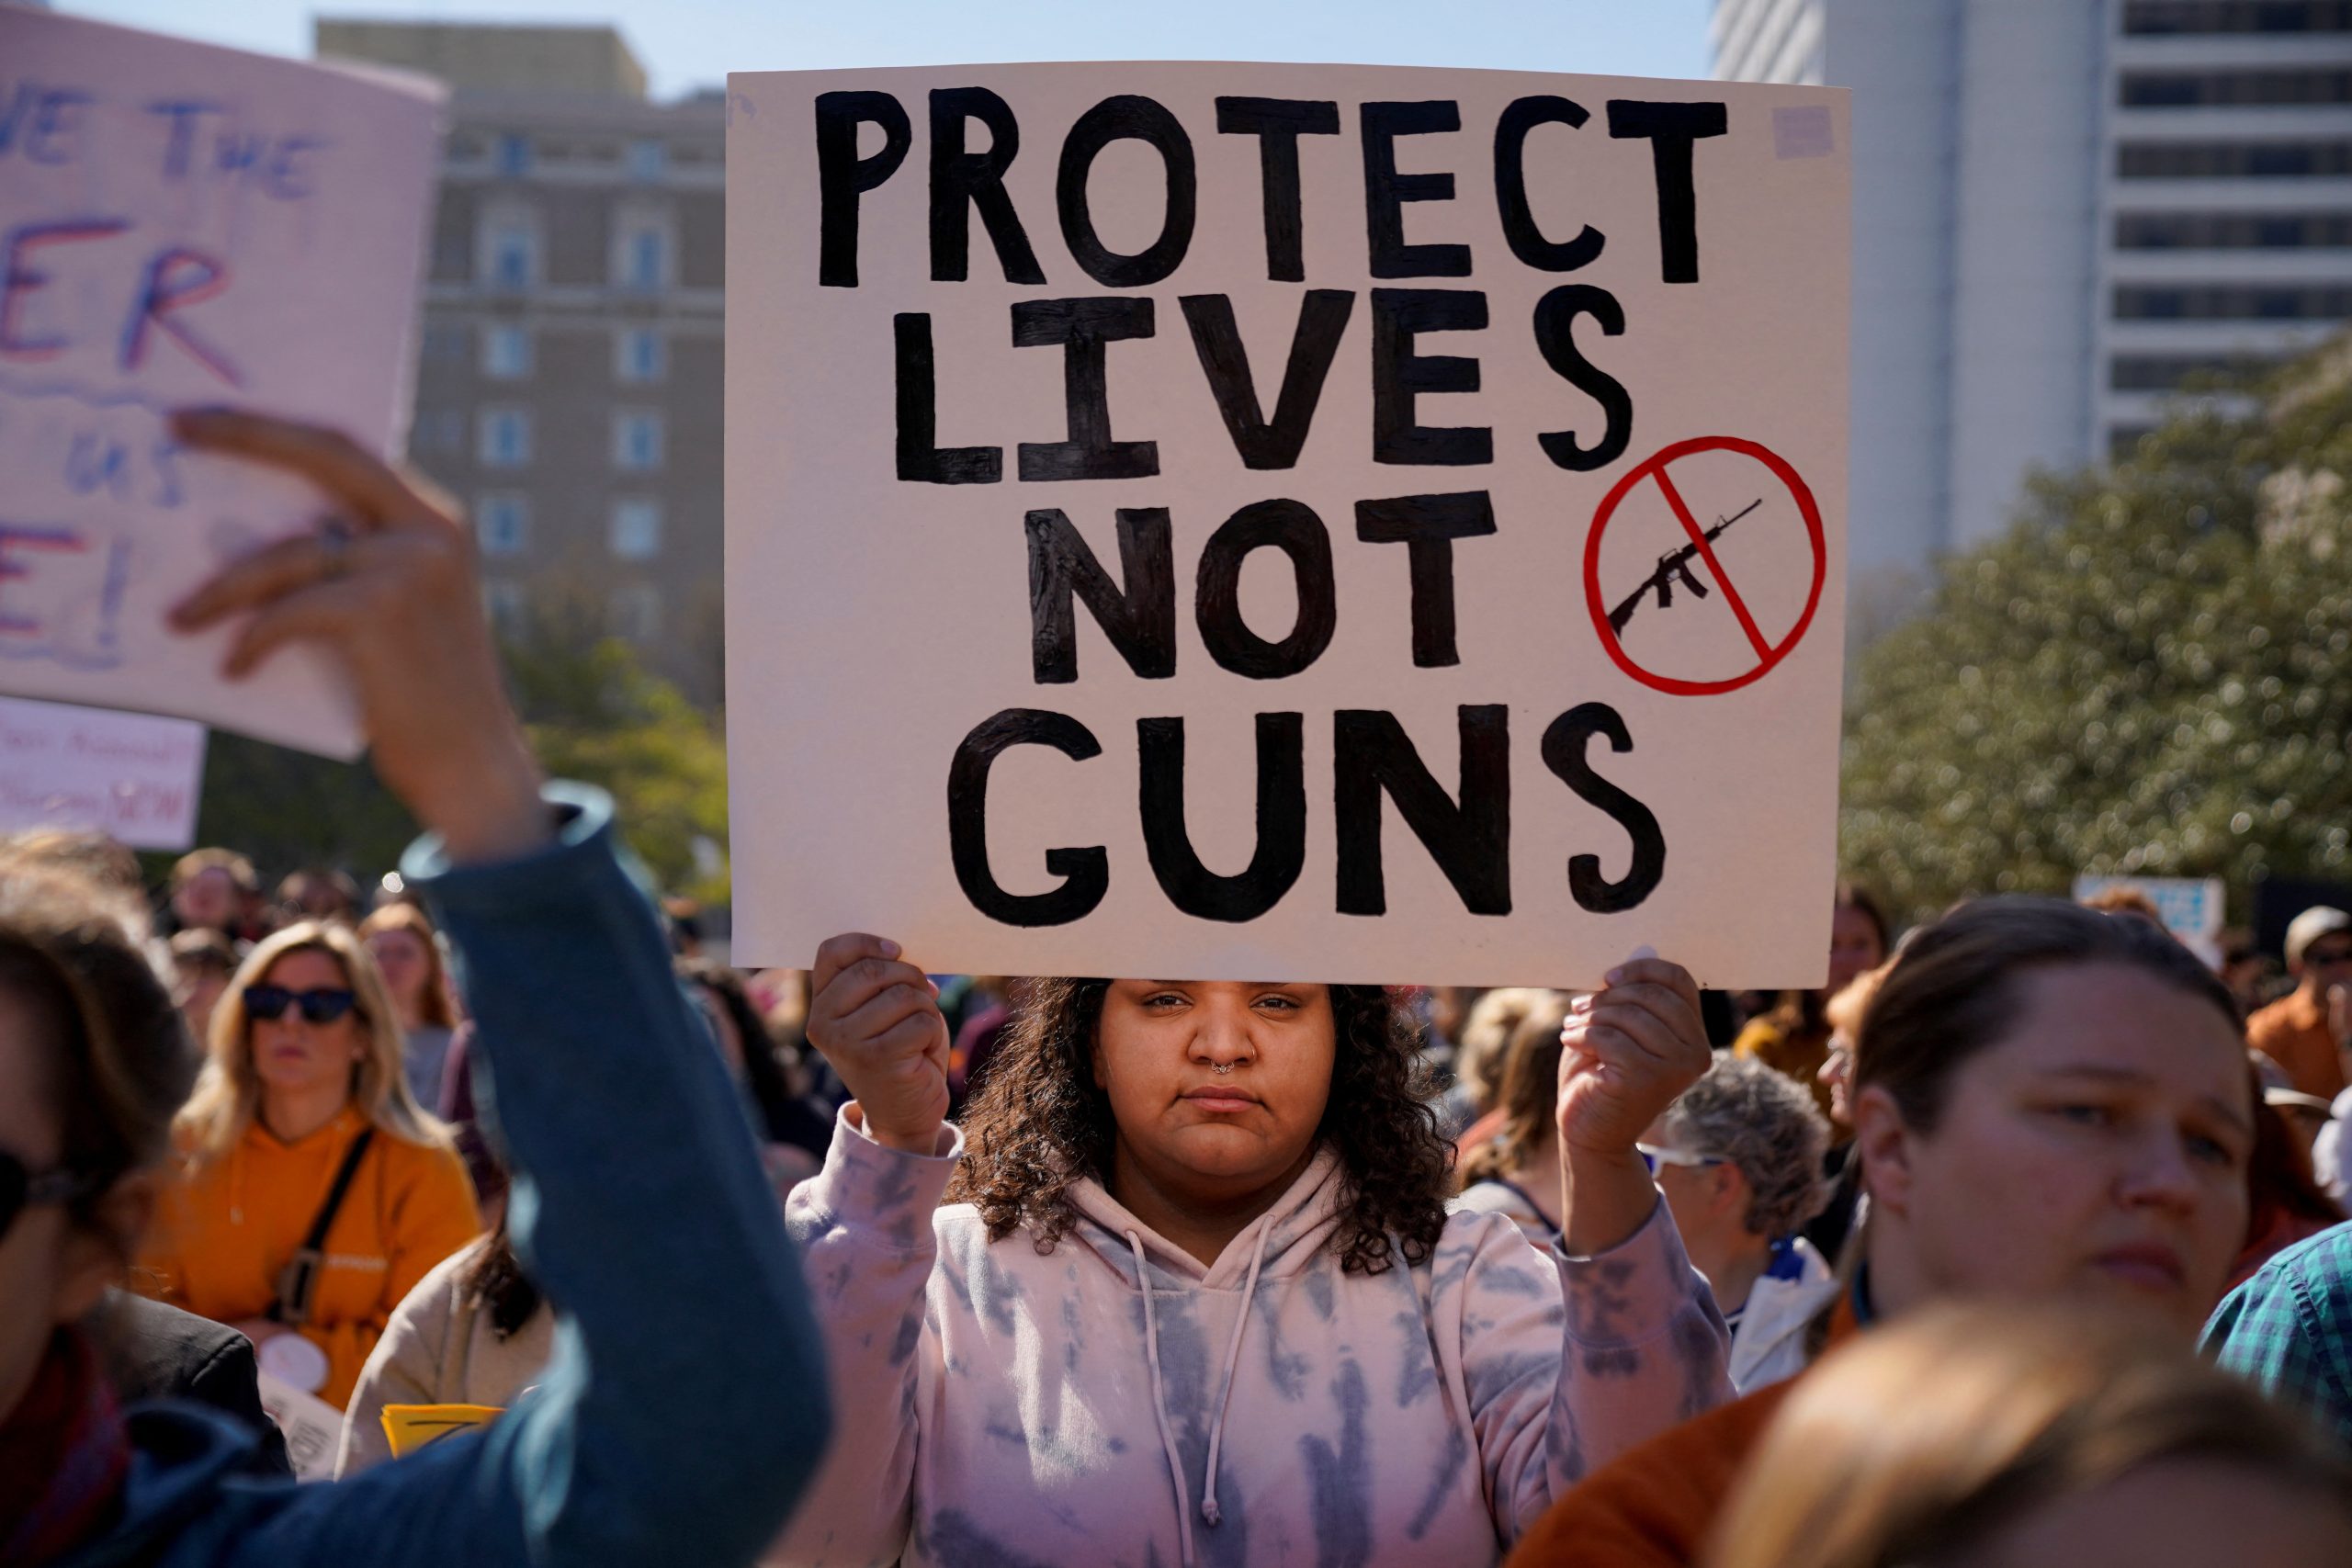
(1654, 1505)
(228, 1228)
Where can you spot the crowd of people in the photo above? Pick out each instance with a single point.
(2019, 1241)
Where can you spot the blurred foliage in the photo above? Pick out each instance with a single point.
(2150, 674)
(595, 713)
(285, 809)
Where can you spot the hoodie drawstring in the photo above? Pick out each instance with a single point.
(1209, 1510)
(1160, 1404)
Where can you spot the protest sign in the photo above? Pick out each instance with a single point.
(2190, 907)
(131, 776)
(1247, 521)
(183, 225)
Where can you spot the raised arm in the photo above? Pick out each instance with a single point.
(1631, 1343)
(639, 1203)
(864, 1226)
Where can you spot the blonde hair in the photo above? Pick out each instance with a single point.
(1478, 1056)
(228, 1092)
(1925, 1437)
(1844, 1012)
(433, 1006)
(1531, 1091)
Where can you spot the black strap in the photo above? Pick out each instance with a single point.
(296, 1285)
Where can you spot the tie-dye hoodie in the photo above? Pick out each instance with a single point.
(1115, 1402)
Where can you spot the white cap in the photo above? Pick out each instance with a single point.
(2307, 928)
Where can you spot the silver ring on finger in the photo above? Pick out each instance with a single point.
(334, 547)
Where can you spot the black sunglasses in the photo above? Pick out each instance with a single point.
(322, 1006)
(22, 1189)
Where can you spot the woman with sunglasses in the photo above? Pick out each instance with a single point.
(2050, 1105)
(1738, 1159)
(304, 1063)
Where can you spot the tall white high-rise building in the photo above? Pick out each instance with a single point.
(2063, 210)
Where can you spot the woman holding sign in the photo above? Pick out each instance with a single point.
(1202, 1302)
(589, 1043)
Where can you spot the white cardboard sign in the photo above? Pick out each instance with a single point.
(185, 225)
(133, 776)
(1244, 521)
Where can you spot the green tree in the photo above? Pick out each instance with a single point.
(596, 714)
(287, 808)
(2150, 673)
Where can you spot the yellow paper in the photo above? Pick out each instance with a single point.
(413, 1426)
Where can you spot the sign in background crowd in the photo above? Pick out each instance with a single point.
(1350, 557)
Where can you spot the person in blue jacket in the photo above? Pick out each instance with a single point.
(685, 1407)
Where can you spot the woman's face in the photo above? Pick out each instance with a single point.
(289, 1052)
(208, 899)
(1854, 947)
(2099, 1148)
(50, 1271)
(200, 989)
(1195, 1129)
(1836, 1074)
(400, 954)
(2184, 1513)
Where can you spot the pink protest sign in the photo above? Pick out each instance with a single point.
(185, 225)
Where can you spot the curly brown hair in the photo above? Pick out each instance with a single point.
(1039, 1122)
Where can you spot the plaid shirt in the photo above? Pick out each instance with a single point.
(2289, 1329)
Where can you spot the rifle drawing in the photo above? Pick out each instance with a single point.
(1675, 566)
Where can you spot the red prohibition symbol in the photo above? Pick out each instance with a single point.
(1767, 654)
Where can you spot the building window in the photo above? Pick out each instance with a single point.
(2234, 302)
(2234, 160)
(640, 354)
(511, 154)
(634, 612)
(2234, 89)
(637, 529)
(445, 343)
(2232, 230)
(641, 258)
(637, 440)
(507, 352)
(438, 430)
(2171, 372)
(510, 254)
(504, 602)
(503, 438)
(648, 159)
(502, 523)
(2163, 17)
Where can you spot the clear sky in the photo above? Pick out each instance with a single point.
(690, 43)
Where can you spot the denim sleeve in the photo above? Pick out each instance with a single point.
(685, 1407)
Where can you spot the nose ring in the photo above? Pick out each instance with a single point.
(1222, 1069)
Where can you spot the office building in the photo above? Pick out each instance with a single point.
(2063, 210)
(568, 386)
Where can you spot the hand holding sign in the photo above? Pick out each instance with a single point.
(388, 592)
(876, 1020)
(1628, 1051)
(184, 224)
